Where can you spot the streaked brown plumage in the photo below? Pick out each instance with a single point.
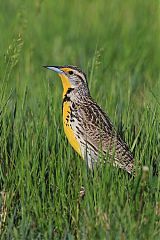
(88, 128)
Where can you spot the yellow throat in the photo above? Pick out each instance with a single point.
(66, 115)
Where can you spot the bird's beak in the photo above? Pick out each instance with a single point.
(55, 68)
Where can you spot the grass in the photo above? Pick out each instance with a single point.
(117, 44)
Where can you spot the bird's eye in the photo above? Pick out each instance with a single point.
(70, 72)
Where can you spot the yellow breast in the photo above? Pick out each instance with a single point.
(68, 130)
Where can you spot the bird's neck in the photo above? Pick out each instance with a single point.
(66, 89)
(67, 94)
(75, 94)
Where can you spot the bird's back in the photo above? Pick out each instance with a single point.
(96, 135)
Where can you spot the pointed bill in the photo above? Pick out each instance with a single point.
(56, 69)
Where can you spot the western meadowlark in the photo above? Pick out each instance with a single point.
(87, 127)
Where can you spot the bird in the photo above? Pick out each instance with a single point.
(88, 128)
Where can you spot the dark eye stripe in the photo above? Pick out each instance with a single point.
(79, 77)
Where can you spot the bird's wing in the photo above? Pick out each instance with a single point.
(99, 133)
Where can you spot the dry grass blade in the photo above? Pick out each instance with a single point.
(3, 210)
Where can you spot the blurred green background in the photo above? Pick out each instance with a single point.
(124, 36)
(117, 44)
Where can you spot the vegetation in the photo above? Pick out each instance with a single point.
(117, 44)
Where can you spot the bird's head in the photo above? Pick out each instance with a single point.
(71, 76)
